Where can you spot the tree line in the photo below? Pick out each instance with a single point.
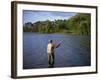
(78, 24)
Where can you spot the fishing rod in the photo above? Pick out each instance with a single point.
(59, 43)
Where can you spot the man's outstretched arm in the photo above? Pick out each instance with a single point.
(59, 44)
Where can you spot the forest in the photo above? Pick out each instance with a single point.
(79, 24)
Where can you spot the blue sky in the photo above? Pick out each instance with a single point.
(34, 16)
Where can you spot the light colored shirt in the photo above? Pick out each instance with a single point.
(50, 48)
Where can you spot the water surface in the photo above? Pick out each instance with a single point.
(70, 53)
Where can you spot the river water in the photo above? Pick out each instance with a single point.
(70, 53)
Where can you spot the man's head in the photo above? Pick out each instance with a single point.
(50, 41)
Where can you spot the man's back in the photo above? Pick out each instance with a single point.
(50, 48)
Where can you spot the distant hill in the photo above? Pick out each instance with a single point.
(78, 24)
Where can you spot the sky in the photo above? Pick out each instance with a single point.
(34, 16)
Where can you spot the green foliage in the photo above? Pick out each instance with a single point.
(78, 24)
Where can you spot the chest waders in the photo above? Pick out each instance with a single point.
(51, 59)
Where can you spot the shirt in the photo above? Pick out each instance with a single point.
(50, 48)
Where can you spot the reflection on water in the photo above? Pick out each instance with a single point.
(71, 53)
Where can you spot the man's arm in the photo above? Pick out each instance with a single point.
(58, 44)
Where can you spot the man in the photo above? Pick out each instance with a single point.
(50, 51)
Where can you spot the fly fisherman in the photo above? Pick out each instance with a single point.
(50, 50)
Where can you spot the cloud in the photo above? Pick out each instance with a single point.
(33, 16)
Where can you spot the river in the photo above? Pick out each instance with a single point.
(70, 53)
